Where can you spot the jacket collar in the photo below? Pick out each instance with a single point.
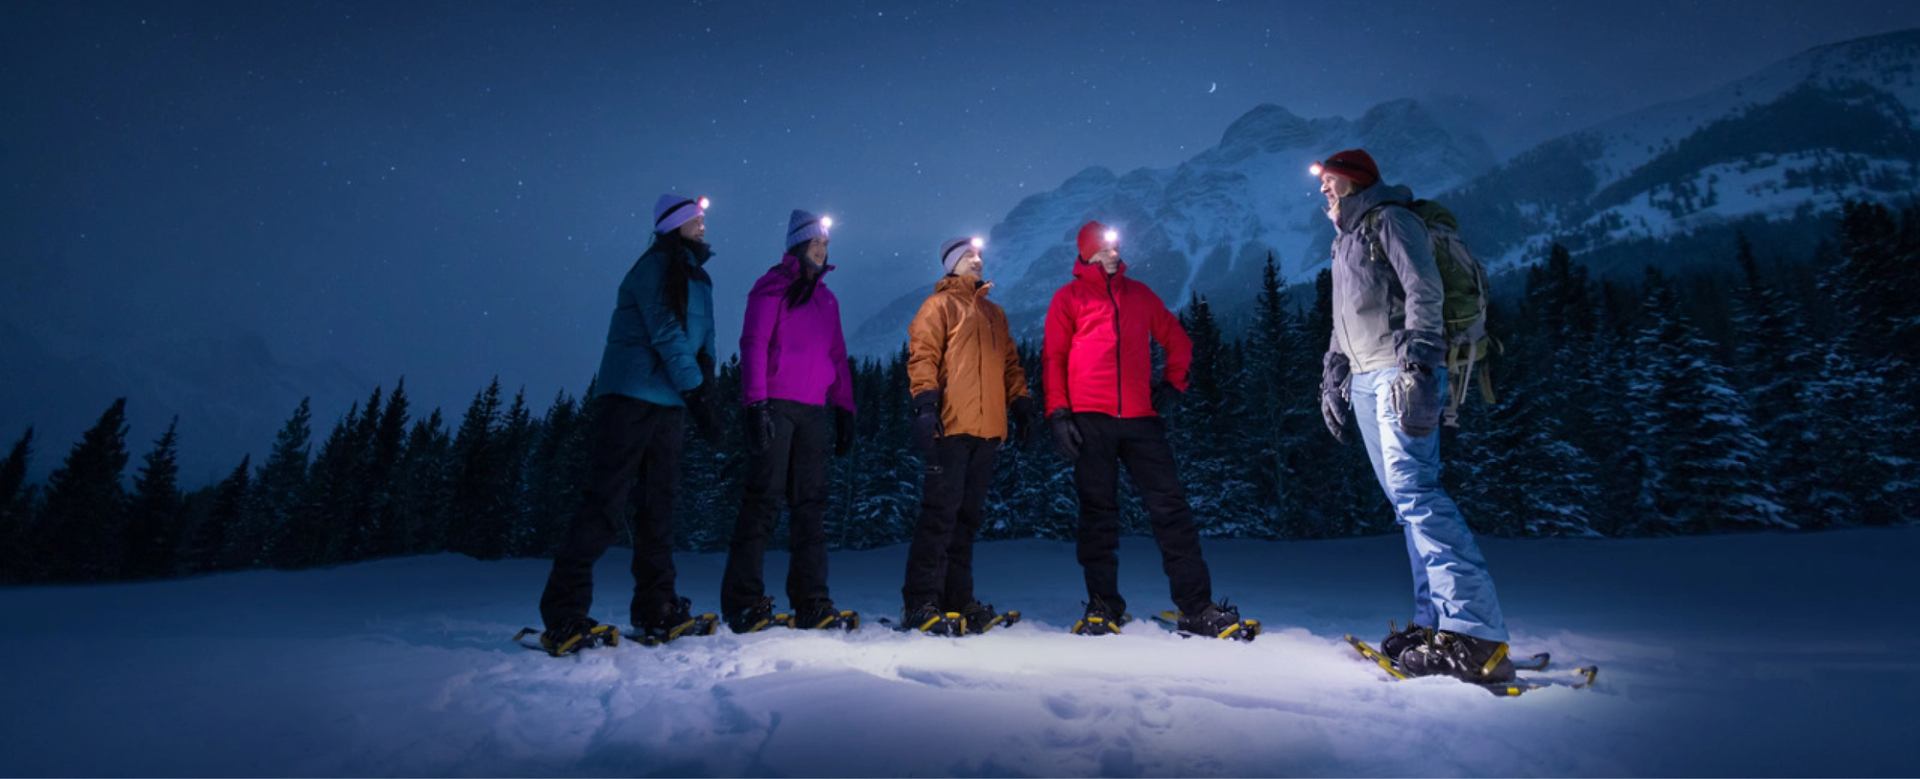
(961, 285)
(790, 266)
(1356, 206)
(1088, 271)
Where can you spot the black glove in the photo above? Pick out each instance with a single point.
(1164, 397)
(1066, 435)
(842, 431)
(926, 420)
(1026, 417)
(759, 422)
(1415, 394)
(701, 413)
(706, 367)
(1336, 374)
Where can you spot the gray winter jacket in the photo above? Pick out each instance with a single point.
(1372, 299)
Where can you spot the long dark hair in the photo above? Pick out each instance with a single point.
(683, 258)
(801, 289)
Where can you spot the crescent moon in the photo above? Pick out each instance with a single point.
(1213, 86)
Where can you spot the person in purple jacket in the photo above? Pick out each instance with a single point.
(798, 391)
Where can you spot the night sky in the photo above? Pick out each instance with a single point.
(454, 192)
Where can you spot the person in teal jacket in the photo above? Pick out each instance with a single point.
(656, 376)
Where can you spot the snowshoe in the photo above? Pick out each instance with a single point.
(677, 622)
(756, 618)
(930, 620)
(571, 637)
(977, 617)
(1399, 640)
(1217, 620)
(1100, 621)
(821, 615)
(1579, 678)
(1460, 656)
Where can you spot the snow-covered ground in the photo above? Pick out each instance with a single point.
(1744, 655)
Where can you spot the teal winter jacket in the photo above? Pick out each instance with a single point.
(651, 352)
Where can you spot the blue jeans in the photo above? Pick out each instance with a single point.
(1451, 587)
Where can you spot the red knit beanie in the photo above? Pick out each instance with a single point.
(1355, 165)
(1093, 238)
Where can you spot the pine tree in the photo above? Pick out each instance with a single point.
(85, 511)
(16, 553)
(1691, 429)
(210, 546)
(1775, 357)
(380, 537)
(517, 434)
(319, 531)
(13, 471)
(424, 497)
(281, 485)
(1520, 471)
(154, 516)
(479, 511)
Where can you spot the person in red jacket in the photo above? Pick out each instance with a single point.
(1100, 403)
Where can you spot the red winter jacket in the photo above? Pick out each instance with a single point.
(1096, 354)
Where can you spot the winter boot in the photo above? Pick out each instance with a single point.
(755, 618)
(981, 617)
(1218, 620)
(821, 615)
(930, 620)
(577, 634)
(676, 621)
(1100, 620)
(1461, 656)
(1400, 640)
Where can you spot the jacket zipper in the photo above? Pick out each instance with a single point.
(1119, 383)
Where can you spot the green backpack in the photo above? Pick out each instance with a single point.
(1464, 302)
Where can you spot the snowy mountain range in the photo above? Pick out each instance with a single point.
(1794, 140)
(1786, 144)
(1207, 224)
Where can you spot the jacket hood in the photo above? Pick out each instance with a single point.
(1356, 206)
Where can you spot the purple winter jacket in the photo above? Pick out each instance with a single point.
(796, 354)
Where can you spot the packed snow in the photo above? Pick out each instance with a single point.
(1763, 654)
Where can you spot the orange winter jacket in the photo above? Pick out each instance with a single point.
(959, 344)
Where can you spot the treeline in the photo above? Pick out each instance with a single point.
(1778, 395)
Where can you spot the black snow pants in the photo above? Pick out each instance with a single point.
(633, 440)
(952, 495)
(1141, 444)
(793, 471)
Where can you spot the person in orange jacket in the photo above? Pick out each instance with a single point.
(1100, 402)
(965, 376)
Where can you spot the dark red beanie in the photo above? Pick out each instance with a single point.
(1091, 240)
(1355, 165)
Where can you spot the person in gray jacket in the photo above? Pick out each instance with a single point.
(1386, 362)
